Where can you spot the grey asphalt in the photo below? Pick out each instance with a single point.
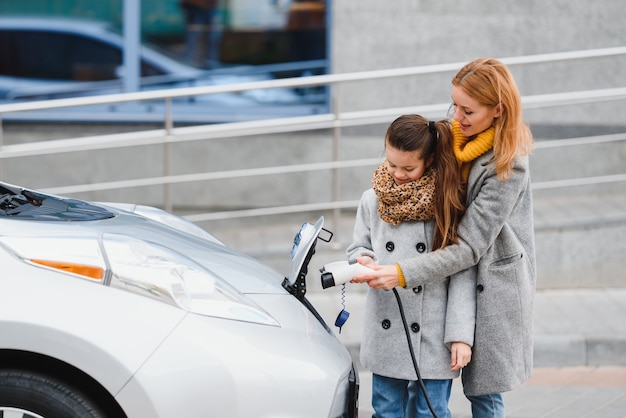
(567, 392)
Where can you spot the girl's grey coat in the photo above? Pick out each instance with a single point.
(436, 313)
(496, 234)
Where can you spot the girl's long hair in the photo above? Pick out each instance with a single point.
(490, 82)
(434, 139)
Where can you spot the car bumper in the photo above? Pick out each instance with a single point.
(216, 367)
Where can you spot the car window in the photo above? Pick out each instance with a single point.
(60, 56)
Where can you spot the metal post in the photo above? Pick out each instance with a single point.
(1, 145)
(132, 40)
(167, 156)
(336, 175)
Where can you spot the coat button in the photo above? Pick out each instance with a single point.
(417, 289)
(421, 247)
(415, 327)
(480, 287)
(390, 246)
(386, 324)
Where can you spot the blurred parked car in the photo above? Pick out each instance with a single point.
(43, 55)
(50, 58)
(118, 310)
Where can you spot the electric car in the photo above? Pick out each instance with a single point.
(121, 310)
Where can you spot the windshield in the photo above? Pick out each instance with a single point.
(25, 204)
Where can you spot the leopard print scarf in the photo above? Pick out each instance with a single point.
(413, 201)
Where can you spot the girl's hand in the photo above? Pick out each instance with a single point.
(366, 260)
(460, 355)
(383, 277)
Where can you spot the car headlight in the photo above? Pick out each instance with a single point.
(141, 267)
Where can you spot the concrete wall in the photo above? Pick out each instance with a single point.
(579, 230)
(374, 34)
(548, 164)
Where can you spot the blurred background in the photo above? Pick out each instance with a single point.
(249, 32)
(252, 116)
(69, 48)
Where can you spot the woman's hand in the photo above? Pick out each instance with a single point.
(383, 277)
(460, 355)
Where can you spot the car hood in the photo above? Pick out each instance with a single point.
(244, 273)
(27, 215)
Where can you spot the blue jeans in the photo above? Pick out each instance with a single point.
(487, 406)
(398, 398)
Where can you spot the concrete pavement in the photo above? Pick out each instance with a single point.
(567, 392)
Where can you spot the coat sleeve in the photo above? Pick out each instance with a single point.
(461, 308)
(362, 234)
(492, 202)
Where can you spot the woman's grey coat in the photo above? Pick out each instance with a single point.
(496, 234)
(436, 314)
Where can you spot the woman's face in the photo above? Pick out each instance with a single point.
(405, 166)
(472, 116)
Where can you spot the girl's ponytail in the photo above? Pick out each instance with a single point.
(450, 195)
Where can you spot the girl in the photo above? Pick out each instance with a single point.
(492, 144)
(414, 206)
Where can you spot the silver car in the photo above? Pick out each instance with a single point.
(113, 310)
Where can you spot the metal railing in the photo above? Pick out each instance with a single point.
(334, 121)
(62, 90)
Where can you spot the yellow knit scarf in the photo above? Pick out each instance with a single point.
(467, 150)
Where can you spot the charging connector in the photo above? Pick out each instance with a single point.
(340, 272)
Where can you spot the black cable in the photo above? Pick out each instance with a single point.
(417, 370)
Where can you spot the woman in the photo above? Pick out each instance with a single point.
(492, 144)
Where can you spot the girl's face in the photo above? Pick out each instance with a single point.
(473, 116)
(405, 166)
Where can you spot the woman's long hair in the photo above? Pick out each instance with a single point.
(434, 139)
(490, 82)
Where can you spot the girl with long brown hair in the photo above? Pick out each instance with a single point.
(414, 207)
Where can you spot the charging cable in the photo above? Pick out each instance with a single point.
(340, 272)
(417, 370)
